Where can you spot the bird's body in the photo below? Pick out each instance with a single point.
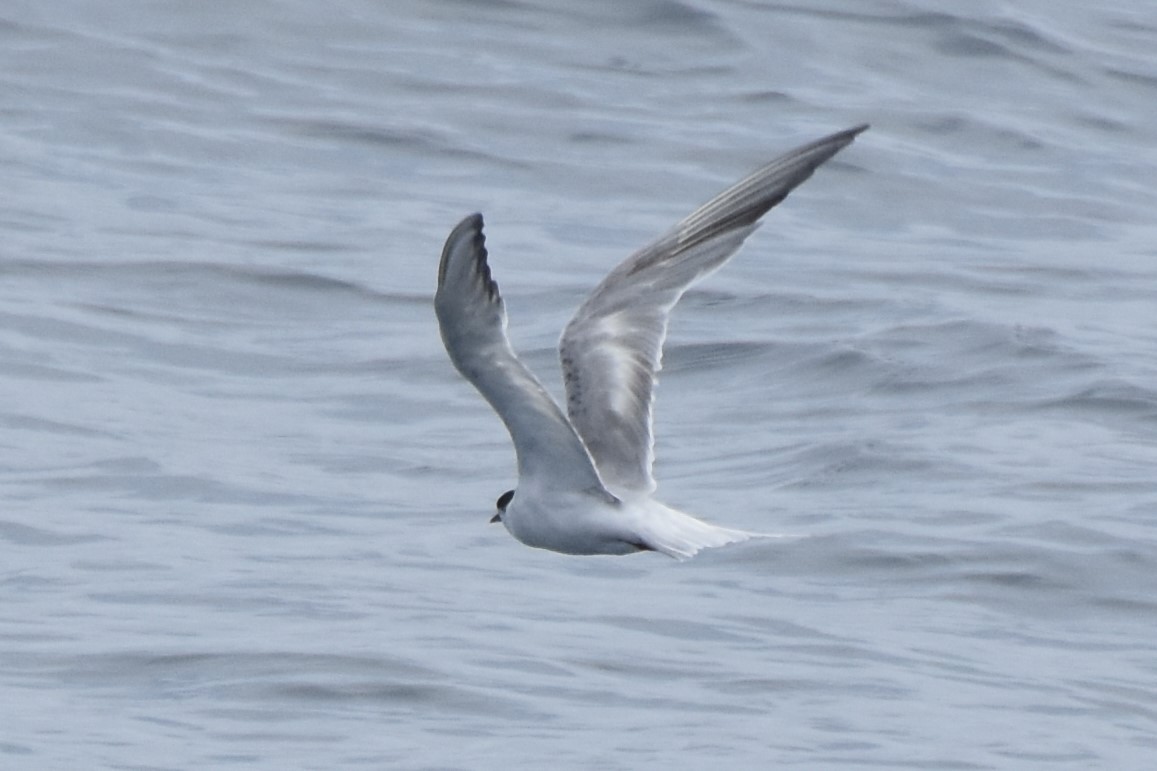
(584, 478)
(585, 522)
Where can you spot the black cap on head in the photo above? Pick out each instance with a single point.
(503, 502)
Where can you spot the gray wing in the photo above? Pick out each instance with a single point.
(472, 319)
(611, 349)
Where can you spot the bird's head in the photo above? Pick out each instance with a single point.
(503, 502)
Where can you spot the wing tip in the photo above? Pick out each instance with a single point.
(842, 139)
(469, 227)
(468, 235)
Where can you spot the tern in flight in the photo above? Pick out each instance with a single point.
(584, 478)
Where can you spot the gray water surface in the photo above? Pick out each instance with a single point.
(244, 496)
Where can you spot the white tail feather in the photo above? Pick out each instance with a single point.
(682, 536)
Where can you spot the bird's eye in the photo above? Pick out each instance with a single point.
(504, 500)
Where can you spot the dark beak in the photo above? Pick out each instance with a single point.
(496, 518)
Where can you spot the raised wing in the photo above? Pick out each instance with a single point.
(611, 350)
(472, 319)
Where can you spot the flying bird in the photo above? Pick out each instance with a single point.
(585, 483)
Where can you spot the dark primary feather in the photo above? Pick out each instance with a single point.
(745, 202)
